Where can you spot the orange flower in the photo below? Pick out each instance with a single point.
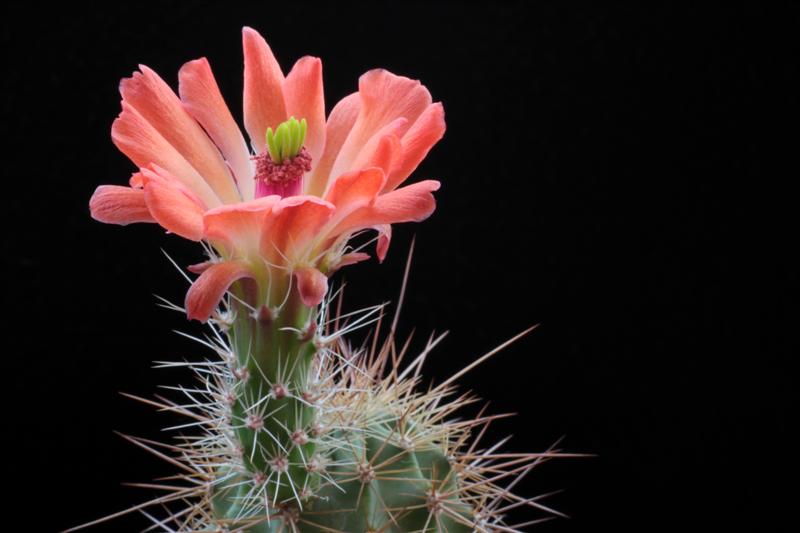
(286, 213)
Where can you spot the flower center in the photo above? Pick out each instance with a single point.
(281, 166)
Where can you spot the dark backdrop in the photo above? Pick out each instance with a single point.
(608, 172)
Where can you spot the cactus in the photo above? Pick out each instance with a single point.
(296, 430)
(348, 443)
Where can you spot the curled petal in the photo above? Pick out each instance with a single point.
(412, 203)
(385, 97)
(202, 99)
(416, 143)
(264, 105)
(114, 204)
(312, 285)
(172, 206)
(304, 98)
(206, 292)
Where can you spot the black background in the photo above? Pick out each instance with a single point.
(618, 173)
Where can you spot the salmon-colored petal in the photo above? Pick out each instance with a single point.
(264, 105)
(304, 97)
(139, 140)
(412, 203)
(206, 292)
(160, 106)
(296, 223)
(339, 124)
(312, 285)
(386, 155)
(384, 149)
(238, 226)
(114, 204)
(385, 97)
(354, 190)
(172, 206)
(417, 142)
(202, 99)
(358, 186)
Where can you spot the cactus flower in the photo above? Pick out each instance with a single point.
(292, 428)
(281, 210)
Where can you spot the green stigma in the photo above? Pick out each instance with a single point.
(287, 139)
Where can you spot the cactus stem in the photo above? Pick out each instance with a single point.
(303, 439)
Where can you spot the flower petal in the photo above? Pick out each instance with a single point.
(412, 203)
(386, 155)
(114, 204)
(202, 99)
(385, 97)
(384, 149)
(296, 224)
(172, 205)
(160, 106)
(144, 145)
(264, 106)
(305, 98)
(312, 285)
(426, 131)
(238, 226)
(339, 124)
(206, 292)
(355, 189)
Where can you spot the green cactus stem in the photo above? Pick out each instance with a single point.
(272, 396)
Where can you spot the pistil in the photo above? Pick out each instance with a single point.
(283, 163)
